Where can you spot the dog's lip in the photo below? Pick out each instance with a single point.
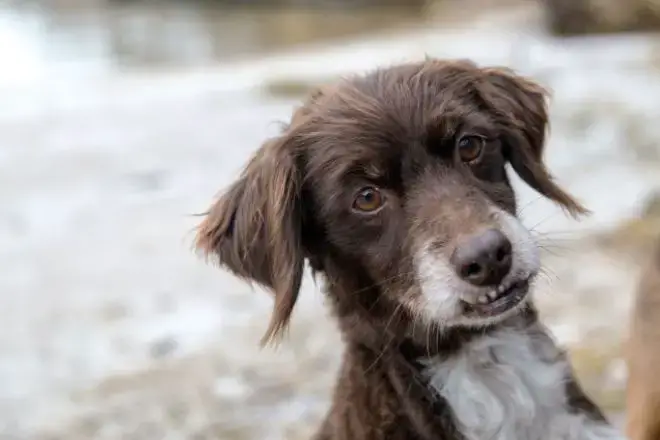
(499, 300)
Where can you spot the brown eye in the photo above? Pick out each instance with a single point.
(470, 148)
(368, 200)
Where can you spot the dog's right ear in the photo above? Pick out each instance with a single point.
(254, 229)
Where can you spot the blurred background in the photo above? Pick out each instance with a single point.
(120, 120)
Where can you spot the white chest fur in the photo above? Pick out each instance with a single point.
(507, 386)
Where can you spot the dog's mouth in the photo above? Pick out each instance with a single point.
(498, 301)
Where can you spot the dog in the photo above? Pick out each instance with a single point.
(643, 356)
(393, 187)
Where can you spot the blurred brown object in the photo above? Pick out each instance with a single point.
(578, 17)
(643, 356)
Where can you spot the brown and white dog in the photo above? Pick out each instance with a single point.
(392, 186)
(643, 355)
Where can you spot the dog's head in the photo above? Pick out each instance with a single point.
(393, 185)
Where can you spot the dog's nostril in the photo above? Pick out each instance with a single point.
(504, 251)
(470, 270)
(483, 259)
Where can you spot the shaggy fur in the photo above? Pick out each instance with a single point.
(393, 187)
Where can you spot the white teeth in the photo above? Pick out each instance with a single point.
(491, 296)
(483, 299)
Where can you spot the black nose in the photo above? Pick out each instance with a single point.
(483, 259)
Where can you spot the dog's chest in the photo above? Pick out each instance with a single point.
(501, 387)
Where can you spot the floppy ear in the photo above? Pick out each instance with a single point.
(254, 229)
(521, 105)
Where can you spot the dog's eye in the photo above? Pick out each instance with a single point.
(368, 200)
(470, 148)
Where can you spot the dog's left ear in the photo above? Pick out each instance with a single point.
(521, 106)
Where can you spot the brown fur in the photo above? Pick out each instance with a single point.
(643, 394)
(395, 128)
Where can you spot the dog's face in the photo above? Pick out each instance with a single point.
(395, 183)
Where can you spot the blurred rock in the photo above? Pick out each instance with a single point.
(163, 347)
(576, 17)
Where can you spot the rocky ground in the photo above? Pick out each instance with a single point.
(114, 329)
